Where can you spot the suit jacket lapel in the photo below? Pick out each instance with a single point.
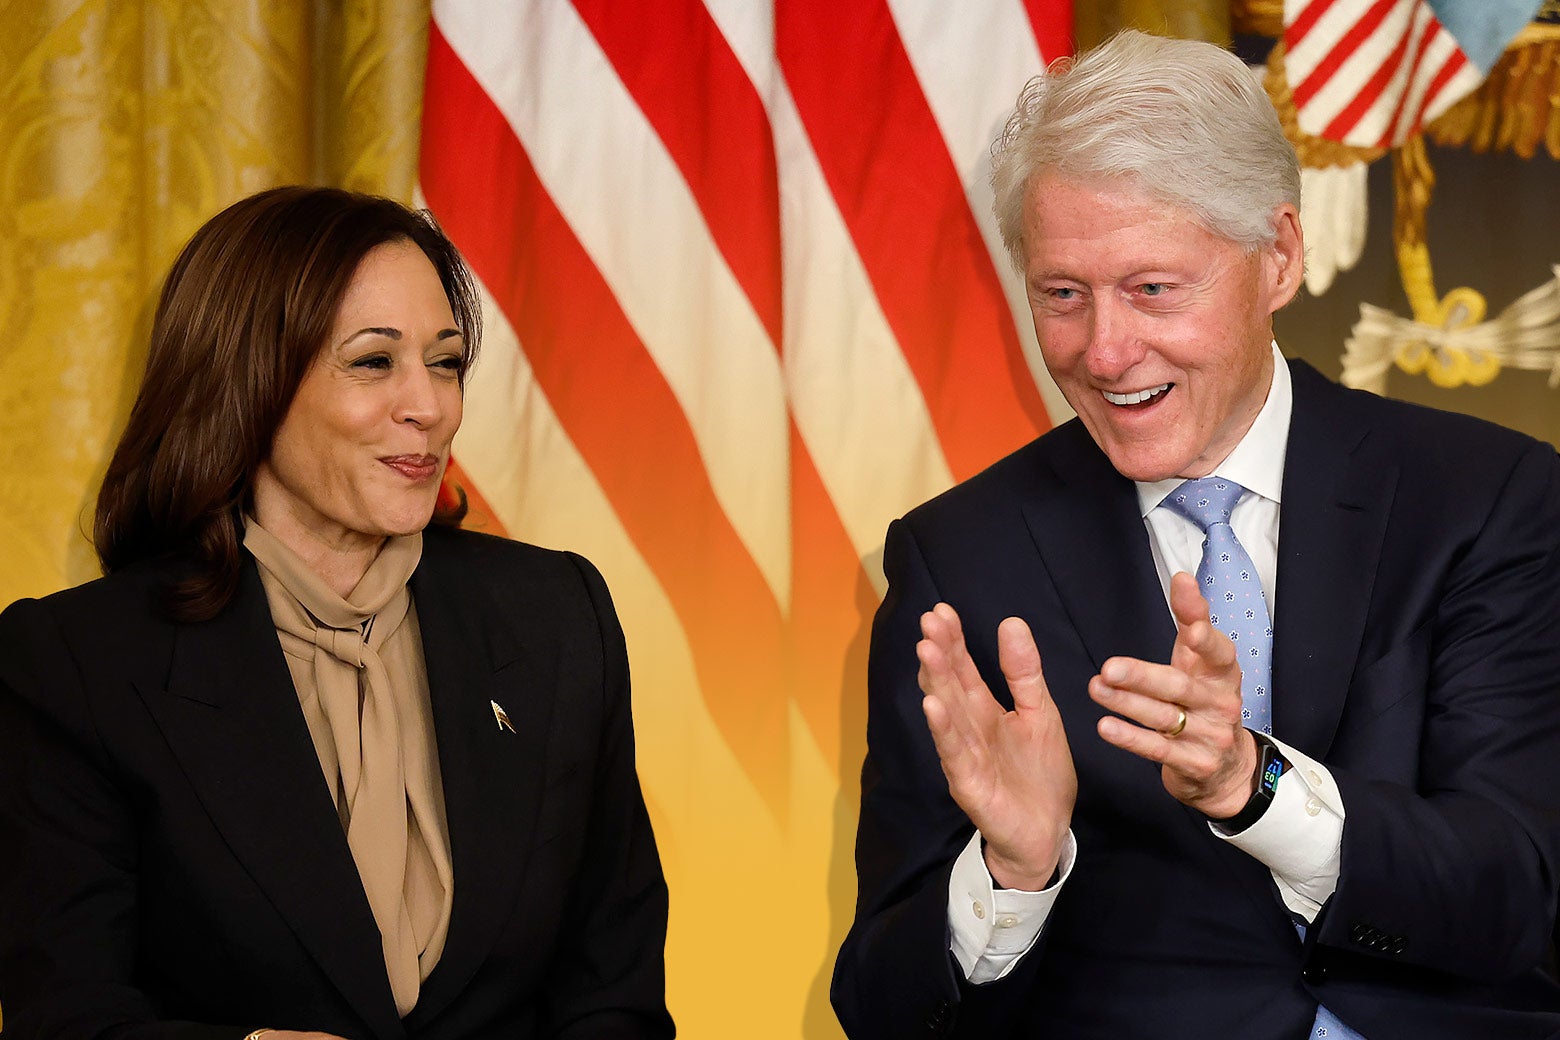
(1106, 580)
(493, 778)
(230, 715)
(1337, 498)
(1103, 568)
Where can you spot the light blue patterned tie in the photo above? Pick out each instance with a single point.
(1237, 607)
(1230, 584)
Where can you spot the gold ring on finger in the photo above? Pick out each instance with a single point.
(1180, 724)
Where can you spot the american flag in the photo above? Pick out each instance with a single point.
(1370, 73)
(746, 304)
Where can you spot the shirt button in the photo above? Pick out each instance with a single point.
(1314, 777)
(1312, 807)
(1007, 921)
(980, 911)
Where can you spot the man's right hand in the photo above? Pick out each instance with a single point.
(1010, 771)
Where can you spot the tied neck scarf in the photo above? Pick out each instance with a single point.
(357, 665)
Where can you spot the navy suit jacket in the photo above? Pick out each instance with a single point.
(1416, 653)
(173, 865)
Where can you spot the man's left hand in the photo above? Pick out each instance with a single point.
(1210, 761)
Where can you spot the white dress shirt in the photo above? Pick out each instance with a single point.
(1299, 836)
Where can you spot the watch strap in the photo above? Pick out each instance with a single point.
(1271, 766)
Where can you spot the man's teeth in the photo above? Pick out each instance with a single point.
(1137, 398)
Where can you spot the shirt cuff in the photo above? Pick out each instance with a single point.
(990, 928)
(1300, 837)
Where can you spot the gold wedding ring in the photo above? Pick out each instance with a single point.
(1180, 724)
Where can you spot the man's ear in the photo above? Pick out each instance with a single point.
(1284, 266)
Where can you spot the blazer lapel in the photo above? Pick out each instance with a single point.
(493, 775)
(1337, 498)
(230, 715)
(1103, 568)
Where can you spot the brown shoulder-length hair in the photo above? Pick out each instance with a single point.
(246, 308)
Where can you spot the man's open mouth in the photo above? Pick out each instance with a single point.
(1137, 397)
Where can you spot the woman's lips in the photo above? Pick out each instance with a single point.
(413, 467)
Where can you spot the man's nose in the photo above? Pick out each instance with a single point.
(1114, 343)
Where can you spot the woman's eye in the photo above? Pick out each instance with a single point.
(372, 361)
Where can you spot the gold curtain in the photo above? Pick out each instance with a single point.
(123, 125)
(1095, 20)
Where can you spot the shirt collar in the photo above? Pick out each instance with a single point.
(1257, 463)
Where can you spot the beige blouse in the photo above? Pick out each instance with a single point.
(358, 669)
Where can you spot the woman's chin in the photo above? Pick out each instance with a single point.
(404, 520)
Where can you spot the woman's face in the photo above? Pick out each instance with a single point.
(362, 449)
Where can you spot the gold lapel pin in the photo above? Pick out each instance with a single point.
(502, 717)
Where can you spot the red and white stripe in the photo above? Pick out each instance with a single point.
(747, 305)
(1370, 73)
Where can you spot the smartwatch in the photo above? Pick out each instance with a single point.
(1271, 764)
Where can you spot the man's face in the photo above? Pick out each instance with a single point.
(1156, 330)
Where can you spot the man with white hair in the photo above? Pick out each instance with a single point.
(1232, 707)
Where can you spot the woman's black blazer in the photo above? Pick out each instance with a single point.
(172, 865)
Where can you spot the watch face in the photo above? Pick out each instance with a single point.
(1272, 768)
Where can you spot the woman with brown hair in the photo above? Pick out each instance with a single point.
(303, 761)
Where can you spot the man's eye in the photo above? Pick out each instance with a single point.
(1064, 293)
(1154, 288)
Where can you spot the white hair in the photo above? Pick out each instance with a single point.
(1183, 120)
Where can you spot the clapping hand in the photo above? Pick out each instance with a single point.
(1010, 771)
(1185, 715)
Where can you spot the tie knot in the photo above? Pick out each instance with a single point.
(1205, 501)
